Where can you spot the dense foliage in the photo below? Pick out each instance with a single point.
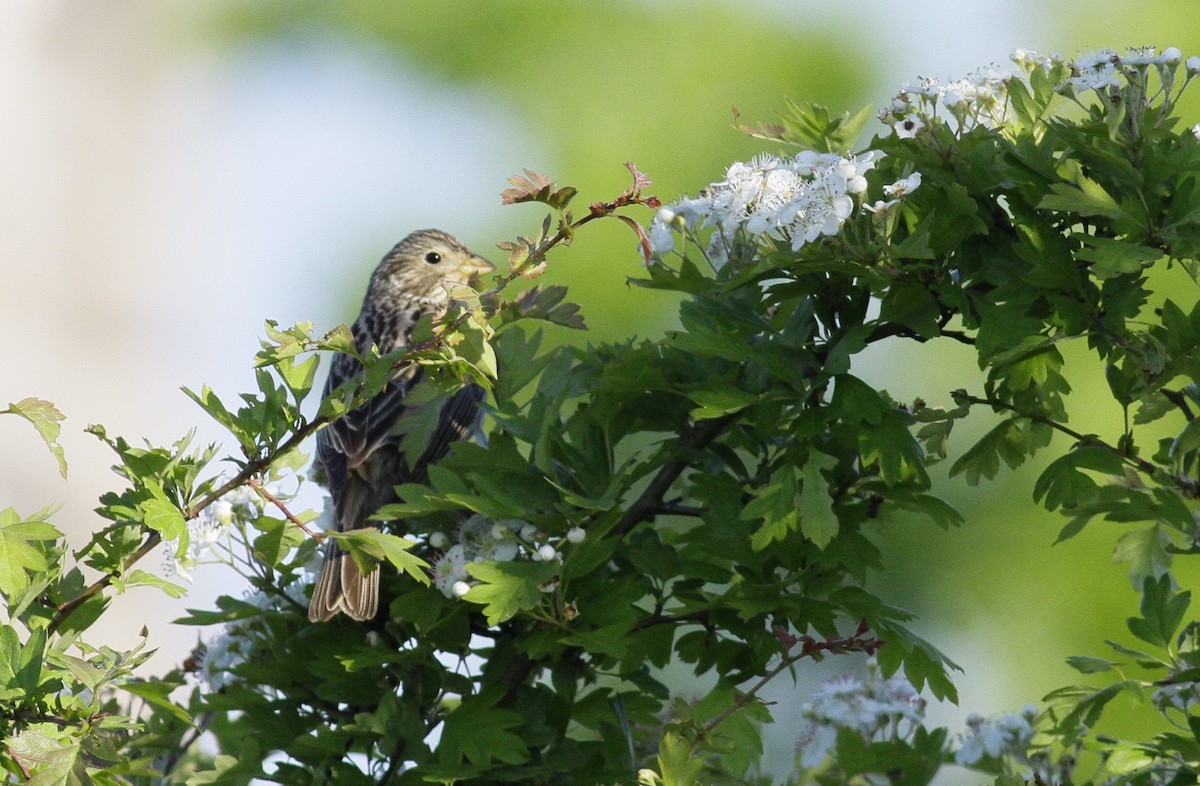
(706, 500)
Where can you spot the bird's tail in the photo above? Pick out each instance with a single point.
(341, 584)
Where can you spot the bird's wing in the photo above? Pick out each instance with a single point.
(459, 418)
(357, 434)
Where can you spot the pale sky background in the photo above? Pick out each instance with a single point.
(159, 200)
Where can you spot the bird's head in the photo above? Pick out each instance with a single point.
(423, 262)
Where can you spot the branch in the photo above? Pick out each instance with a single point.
(809, 648)
(1179, 400)
(650, 503)
(891, 329)
(675, 509)
(1084, 439)
(253, 468)
(699, 617)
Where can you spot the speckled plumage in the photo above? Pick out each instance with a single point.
(363, 455)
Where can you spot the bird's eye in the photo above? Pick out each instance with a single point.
(433, 257)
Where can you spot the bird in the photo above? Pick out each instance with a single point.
(395, 436)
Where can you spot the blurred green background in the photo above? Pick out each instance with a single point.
(178, 173)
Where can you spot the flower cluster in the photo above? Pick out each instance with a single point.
(796, 199)
(875, 708)
(1008, 735)
(978, 99)
(240, 639)
(480, 539)
(897, 191)
(212, 526)
(1106, 68)
(1181, 696)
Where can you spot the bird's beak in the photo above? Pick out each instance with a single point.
(475, 266)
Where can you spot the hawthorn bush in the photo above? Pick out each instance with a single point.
(706, 499)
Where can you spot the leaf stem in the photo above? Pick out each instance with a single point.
(1084, 439)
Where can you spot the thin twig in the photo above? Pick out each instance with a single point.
(809, 647)
(269, 497)
(1084, 439)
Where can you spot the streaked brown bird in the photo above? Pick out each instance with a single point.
(394, 437)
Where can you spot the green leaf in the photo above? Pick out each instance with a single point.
(817, 520)
(1086, 665)
(137, 578)
(1146, 552)
(162, 516)
(506, 588)
(676, 763)
(1111, 257)
(720, 401)
(159, 695)
(368, 545)
(1088, 198)
(51, 754)
(982, 461)
(1063, 484)
(857, 401)
(545, 303)
(481, 734)
(1187, 441)
(298, 376)
(46, 418)
(1162, 610)
(20, 551)
(277, 540)
(775, 504)
(912, 305)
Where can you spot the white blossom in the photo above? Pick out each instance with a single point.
(1008, 735)
(1100, 77)
(662, 232)
(904, 186)
(204, 533)
(450, 568)
(575, 535)
(504, 550)
(875, 708)
(1140, 56)
(880, 207)
(222, 511)
(1095, 59)
(239, 640)
(1179, 695)
(909, 126)
(796, 199)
